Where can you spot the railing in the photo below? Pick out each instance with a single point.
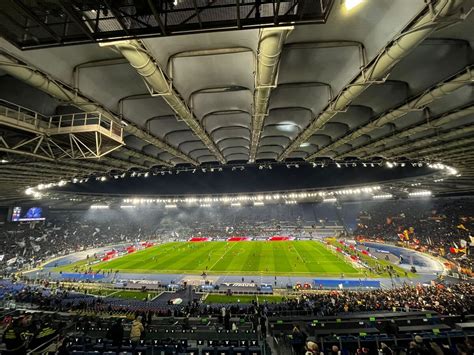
(84, 119)
(58, 122)
(22, 114)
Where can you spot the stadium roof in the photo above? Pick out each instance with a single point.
(389, 80)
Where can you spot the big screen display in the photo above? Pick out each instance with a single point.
(26, 214)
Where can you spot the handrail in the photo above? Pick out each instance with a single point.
(56, 122)
(50, 341)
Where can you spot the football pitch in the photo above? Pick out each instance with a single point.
(302, 258)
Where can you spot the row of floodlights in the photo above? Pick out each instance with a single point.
(35, 191)
(172, 203)
(255, 198)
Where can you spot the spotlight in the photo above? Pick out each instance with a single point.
(260, 167)
(103, 178)
(203, 170)
(364, 165)
(351, 4)
(147, 174)
(389, 164)
(338, 165)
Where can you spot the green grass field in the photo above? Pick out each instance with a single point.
(302, 258)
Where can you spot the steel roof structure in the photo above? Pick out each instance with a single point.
(133, 92)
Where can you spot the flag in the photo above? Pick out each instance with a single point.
(453, 250)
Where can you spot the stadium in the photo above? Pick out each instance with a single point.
(236, 177)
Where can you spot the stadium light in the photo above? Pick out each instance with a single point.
(382, 197)
(351, 4)
(206, 205)
(127, 206)
(3, 161)
(420, 193)
(258, 203)
(330, 199)
(99, 207)
(236, 204)
(171, 206)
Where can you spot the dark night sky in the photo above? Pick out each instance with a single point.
(249, 180)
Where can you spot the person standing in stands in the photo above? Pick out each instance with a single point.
(116, 333)
(298, 340)
(14, 339)
(136, 331)
(227, 321)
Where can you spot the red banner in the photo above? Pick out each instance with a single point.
(278, 238)
(199, 239)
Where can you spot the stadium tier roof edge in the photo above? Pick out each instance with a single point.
(388, 81)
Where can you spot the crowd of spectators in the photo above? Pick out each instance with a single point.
(24, 245)
(441, 226)
(444, 299)
(28, 244)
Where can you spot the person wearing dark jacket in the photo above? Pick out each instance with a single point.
(14, 339)
(116, 333)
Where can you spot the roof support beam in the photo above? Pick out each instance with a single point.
(123, 164)
(49, 170)
(410, 149)
(428, 21)
(270, 47)
(139, 155)
(58, 90)
(154, 77)
(449, 117)
(436, 92)
(438, 151)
